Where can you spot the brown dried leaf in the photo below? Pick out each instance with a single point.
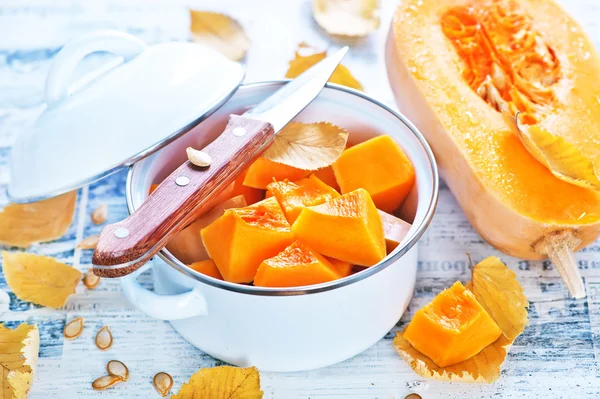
(74, 328)
(563, 159)
(39, 279)
(163, 382)
(24, 224)
(221, 32)
(496, 288)
(307, 56)
(223, 382)
(118, 369)
(353, 18)
(18, 359)
(89, 242)
(104, 338)
(106, 381)
(90, 280)
(100, 214)
(308, 146)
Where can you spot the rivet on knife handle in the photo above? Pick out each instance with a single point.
(189, 191)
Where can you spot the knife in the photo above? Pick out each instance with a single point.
(189, 191)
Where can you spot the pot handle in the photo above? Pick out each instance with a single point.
(63, 66)
(162, 307)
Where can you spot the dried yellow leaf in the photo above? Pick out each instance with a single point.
(39, 279)
(308, 146)
(562, 158)
(496, 288)
(220, 32)
(223, 382)
(18, 359)
(24, 224)
(354, 18)
(307, 56)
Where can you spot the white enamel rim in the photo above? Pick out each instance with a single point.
(316, 288)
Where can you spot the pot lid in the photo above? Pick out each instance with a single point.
(117, 114)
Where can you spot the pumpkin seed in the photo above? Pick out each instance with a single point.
(118, 369)
(163, 383)
(100, 214)
(104, 339)
(198, 158)
(73, 328)
(89, 242)
(107, 381)
(90, 280)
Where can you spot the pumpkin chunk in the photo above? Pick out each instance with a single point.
(344, 269)
(347, 228)
(207, 267)
(327, 176)
(262, 172)
(452, 328)
(296, 265)
(379, 166)
(252, 195)
(242, 238)
(394, 229)
(294, 196)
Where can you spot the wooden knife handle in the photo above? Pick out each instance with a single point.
(189, 191)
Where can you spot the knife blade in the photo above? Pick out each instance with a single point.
(190, 191)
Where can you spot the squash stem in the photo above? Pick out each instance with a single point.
(559, 248)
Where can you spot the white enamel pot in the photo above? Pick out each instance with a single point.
(297, 328)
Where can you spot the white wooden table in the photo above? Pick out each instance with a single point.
(556, 357)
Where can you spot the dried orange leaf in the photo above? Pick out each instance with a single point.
(24, 224)
(307, 56)
(163, 383)
(220, 32)
(308, 146)
(106, 381)
(90, 280)
(18, 359)
(104, 339)
(225, 382)
(562, 158)
(496, 288)
(100, 214)
(118, 369)
(89, 242)
(74, 328)
(39, 279)
(347, 17)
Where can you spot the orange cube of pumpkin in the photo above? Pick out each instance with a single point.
(344, 269)
(296, 265)
(347, 228)
(294, 196)
(263, 171)
(242, 238)
(452, 328)
(252, 195)
(207, 267)
(327, 176)
(379, 166)
(394, 229)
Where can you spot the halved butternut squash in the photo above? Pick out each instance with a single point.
(263, 171)
(454, 65)
(379, 166)
(294, 196)
(242, 238)
(452, 328)
(296, 265)
(347, 228)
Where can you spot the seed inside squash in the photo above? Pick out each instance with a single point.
(104, 339)
(107, 381)
(73, 328)
(163, 383)
(505, 59)
(117, 369)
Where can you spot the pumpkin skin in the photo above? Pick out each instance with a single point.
(512, 200)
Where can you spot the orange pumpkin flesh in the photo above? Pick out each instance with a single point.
(296, 265)
(242, 238)
(207, 267)
(344, 269)
(394, 230)
(327, 176)
(379, 166)
(452, 328)
(252, 195)
(348, 228)
(187, 245)
(294, 196)
(262, 172)
(442, 56)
